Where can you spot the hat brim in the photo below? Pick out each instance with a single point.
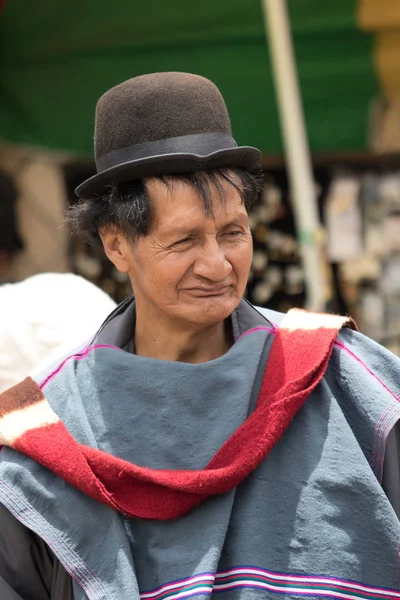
(245, 157)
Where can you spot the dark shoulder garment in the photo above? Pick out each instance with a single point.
(28, 568)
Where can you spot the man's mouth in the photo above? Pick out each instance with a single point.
(217, 290)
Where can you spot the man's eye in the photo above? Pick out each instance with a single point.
(234, 233)
(182, 241)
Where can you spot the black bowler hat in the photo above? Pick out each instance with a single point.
(161, 124)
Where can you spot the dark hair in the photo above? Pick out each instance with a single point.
(126, 206)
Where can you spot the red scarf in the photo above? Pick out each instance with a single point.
(297, 362)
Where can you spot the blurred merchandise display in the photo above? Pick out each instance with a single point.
(372, 244)
(343, 220)
(360, 209)
(276, 278)
(92, 264)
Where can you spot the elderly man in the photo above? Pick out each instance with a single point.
(196, 445)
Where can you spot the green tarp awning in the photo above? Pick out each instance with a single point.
(58, 57)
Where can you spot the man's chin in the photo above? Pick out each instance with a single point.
(210, 311)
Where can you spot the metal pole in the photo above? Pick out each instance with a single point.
(297, 153)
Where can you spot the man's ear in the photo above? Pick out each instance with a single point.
(116, 248)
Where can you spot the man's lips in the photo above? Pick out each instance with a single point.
(217, 290)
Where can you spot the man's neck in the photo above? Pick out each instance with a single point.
(153, 340)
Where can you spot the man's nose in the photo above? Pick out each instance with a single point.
(212, 263)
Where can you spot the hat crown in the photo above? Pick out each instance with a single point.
(158, 106)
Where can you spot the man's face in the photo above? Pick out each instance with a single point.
(190, 268)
